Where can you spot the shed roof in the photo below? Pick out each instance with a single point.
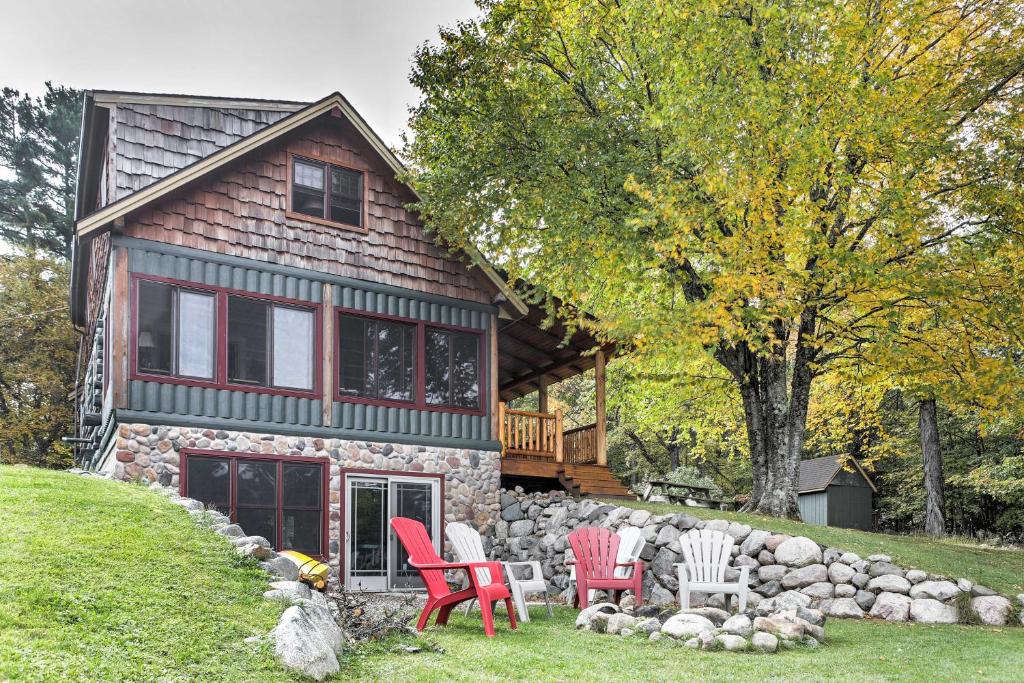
(817, 473)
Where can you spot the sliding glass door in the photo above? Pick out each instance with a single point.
(374, 558)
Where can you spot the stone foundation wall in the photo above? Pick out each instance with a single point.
(785, 572)
(151, 453)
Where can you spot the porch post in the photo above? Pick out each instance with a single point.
(601, 433)
(494, 398)
(559, 436)
(542, 394)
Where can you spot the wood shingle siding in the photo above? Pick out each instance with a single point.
(241, 212)
(153, 141)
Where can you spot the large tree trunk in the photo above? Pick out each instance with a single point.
(934, 483)
(775, 385)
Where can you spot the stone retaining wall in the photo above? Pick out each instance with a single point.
(785, 572)
(472, 477)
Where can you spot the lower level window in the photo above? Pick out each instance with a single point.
(281, 500)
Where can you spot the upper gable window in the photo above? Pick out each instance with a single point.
(328, 192)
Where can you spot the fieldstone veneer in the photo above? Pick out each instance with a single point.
(472, 477)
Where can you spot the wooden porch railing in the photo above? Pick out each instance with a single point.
(526, 434)
(580, 445)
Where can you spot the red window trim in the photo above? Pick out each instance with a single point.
(290, 213)
(343, 484)
(220, 364)
(325, 486)
(419, 401)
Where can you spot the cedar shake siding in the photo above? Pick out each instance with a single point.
(153, 141)
(242, 212)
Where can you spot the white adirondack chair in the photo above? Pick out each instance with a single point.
(707, 555)
(631, 542)
(469, 547)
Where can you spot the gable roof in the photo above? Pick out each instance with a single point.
(817, 473)
(103, 218)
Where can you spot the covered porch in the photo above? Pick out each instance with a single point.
(536, 444)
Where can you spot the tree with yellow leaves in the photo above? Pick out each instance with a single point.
(763, 180)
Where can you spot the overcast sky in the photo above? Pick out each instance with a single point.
(290, 49)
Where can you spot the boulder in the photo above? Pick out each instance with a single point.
(686, 625)
(717, 525)
(584, 617)
(738, 531)
(879, 558)
(683, 521)
(930, 611)
(849, 558)
(308, 640)
(770, 589)
(666, 535)
(746, 561)
(993, 610)
(889, 583)
(739, 624)
(799, 551)
(649, 625)
(713, 614)
(831, 555)
(916, 576)
(260, 552)
(780, 626)
(860, 580)
(819, 591)
(845, 590)
(282, 567)
(936, 590)
(618, 622)
(290, 591)
(765, 558)
(891, 607)
(732, 643)
(866, 599)
(661, 596)
(785, 600)
(805, 576)
(231, 531)
(839, 572)
(772, 572)
(884, 569)
(774, 541)
(512, 513)
(964, 585)
(979, 591)
(844, 608)
(249, 540)
(522, 527)
(190, 504)
(754, 542)
(765, 642)
(638, 518)
(663, 561)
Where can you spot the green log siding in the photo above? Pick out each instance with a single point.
(246, 410)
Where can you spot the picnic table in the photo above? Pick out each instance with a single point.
(681, 493)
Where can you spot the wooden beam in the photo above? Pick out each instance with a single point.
(119, 317)
(328, 354)
(495, 393)
(600, 413)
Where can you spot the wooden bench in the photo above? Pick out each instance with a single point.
(680, 493)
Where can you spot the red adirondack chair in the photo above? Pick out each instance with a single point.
(440, 597)
(596, 550)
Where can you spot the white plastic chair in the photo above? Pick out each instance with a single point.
(631, 543)
(707, 554)
(469, 547)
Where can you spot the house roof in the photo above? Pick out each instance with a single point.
(817, 473)
(335, 104)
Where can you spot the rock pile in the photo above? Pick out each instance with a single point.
(709, 628)
(307, 637)
(785, 572)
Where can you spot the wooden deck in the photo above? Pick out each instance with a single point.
(536, 445)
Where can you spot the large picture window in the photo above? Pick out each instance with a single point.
(176, 330)
(389, 361)
(215, 337)
(377, 358)
(326, 191)
(281, 500)
(453, 368)
(270, 344)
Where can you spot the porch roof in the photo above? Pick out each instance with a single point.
(531, 351)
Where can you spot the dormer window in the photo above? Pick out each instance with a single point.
(327, 193)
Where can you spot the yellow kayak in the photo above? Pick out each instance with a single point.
(311, 571)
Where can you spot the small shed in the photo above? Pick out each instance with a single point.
(831, 495)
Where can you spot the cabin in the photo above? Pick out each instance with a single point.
(266, 325)
(834, 493)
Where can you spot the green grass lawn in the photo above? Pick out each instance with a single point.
(108, 582)
(553, 650)
(999, 569)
